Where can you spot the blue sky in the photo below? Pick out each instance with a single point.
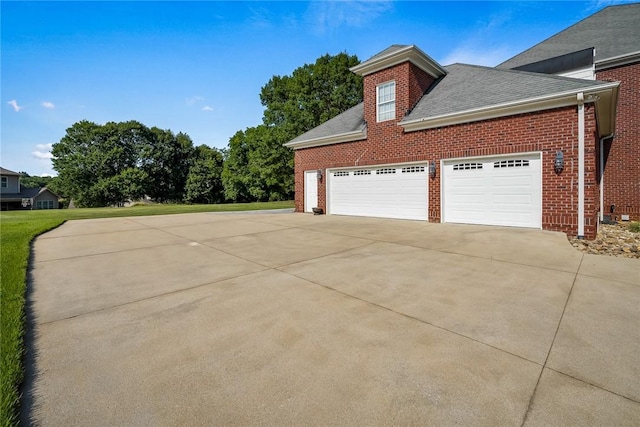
(197, 67)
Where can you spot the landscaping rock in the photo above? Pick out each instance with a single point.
(612, 240)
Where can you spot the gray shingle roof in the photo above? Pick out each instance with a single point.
(6, 172)
(613, 31)
(391, 49)
(467, 87)
(351, 120)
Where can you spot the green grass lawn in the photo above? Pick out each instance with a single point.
(17, 230)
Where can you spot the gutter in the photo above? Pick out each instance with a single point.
(580, 98)
(356, 135)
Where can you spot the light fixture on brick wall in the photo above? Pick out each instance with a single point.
(319, 174)
(558, 163)
(432, 169)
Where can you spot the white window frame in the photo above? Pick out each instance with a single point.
(5, 182)
(383, 116)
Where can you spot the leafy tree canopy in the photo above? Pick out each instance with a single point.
(257, 165)
(102, 165)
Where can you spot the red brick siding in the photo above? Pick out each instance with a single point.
(546, 131)
(622, 168)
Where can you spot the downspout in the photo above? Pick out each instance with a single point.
(602, 174)
(581, 165)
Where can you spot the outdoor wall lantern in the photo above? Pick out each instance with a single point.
(558, 164)
(319, 175)
(432, 169)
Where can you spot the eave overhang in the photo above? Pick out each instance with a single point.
(356, 135)
(618, 61)
(409, 53)
(604, 96)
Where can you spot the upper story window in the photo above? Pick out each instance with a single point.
(386, 101)
(5, 182)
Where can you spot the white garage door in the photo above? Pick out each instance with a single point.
(396, 191)
(494, 191)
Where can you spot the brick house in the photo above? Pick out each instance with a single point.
(466, 144)
(604, 46)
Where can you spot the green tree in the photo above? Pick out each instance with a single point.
(101, 165)
(313, 94)
(204, 181)
(235, 173)
(165, 158)
(257, 166)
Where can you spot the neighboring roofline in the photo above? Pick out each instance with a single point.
(409, 53)
(355, 135)
(617, 61)
(7, 172)
(547, 102)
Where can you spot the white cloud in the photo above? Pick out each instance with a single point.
(329, 15)
(192, 100)
(42, 154)
(43, 151)
(15, 105)
(207, 108)
(47, 104)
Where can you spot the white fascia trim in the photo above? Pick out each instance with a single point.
(617, 61)
(357, 135)
(547, 102)
(410, 53)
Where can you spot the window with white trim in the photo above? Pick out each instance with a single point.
(5, 182)
(341, 173)
(385, 171)
(412, 169)
(511, 163)
(362, 172)
(386, 101)
(466, 166)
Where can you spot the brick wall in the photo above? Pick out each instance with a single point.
(622, 154)
(544, 132)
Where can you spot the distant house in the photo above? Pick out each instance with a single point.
(13, 196)
(548, 139)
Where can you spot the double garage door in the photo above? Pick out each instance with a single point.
(385, 191)
(492, 191)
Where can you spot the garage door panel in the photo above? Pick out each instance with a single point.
(386, 192)
(493, 191)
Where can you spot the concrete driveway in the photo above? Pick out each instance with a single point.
(294, 319)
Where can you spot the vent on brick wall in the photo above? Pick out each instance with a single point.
(362, 172)
(511, 163)
(466, 166)
(341, 173)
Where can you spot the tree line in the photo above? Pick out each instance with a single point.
(109, 164)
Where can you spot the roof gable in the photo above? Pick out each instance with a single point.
(614, 32)
(397, 54)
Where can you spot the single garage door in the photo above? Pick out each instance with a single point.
(494, 191)
(396, 191)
